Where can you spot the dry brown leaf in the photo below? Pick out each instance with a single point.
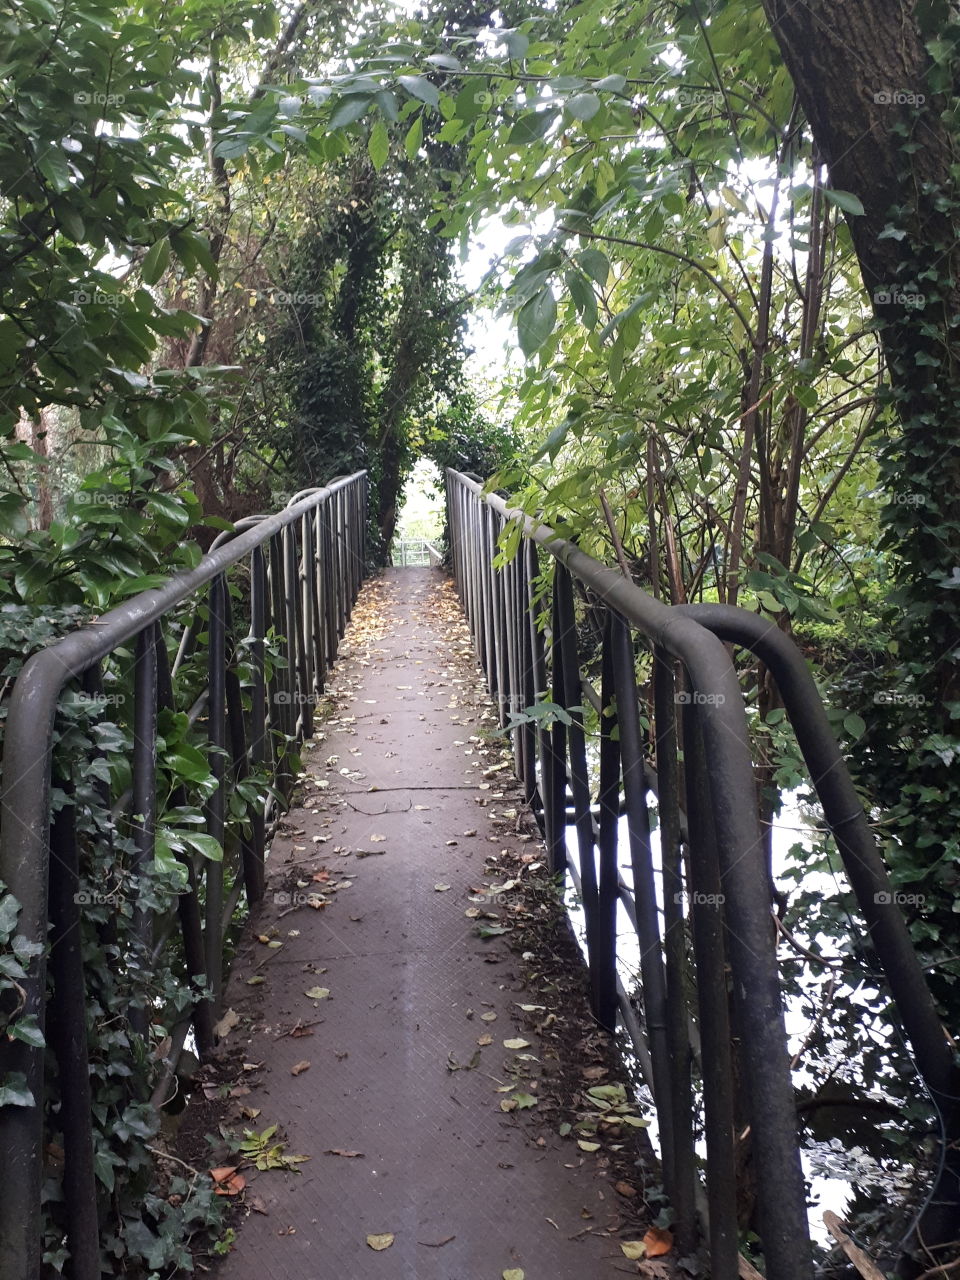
(658, 1241)
(338, 1151)
(228, 1182)
(226, 1024)
(299, 1067)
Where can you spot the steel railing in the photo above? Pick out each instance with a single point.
(712, 862)
(418, 552)
(305, 567)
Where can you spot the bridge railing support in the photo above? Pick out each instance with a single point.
(251, 697)
(715, 887)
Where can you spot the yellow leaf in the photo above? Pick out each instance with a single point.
(382, 1241)
(512, 1273)
(633, 1249)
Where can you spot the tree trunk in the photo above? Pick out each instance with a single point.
(874, 78)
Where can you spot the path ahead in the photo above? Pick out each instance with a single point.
(463, 1186)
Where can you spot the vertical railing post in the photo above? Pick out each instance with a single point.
(644, 885)
(215, 806)
(188, 902)
(705, 894)
(683, 1174)
(144, 780)
(603, 958)
(67, 1029)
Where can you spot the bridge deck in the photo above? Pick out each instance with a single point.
(464, 1188)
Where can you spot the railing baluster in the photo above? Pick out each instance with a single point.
(705, 894)
(144, 777)
(68, 1037)
(258, 696)
(215, 806)
(603, 958)
(681, 1169)
(644, 883)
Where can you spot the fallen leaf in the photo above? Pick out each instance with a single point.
(588, 1146)
(226, 1024)
(488, 1017)
(633, 1249)
(485, 1040)
(382, 1241)
(298, 1068)
(516, 1044)
(228, 1181)
(317, 993)
(473, 912)
(658, 1241)
(377, 839)
(512, 1273)
(338, 1151)
(255, 982)
(625, 1188)
(441, 888)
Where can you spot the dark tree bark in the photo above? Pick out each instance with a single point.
(860, 69)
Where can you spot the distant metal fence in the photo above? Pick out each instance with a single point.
(414, 551)
(305, 567)
(715, 887)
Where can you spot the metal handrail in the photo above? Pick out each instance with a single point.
(306, 566)
(723, 876)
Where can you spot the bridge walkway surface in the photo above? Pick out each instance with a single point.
(398, 812)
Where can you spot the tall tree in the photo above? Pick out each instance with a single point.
(879, 81)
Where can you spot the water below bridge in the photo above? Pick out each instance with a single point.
(348, 1030)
